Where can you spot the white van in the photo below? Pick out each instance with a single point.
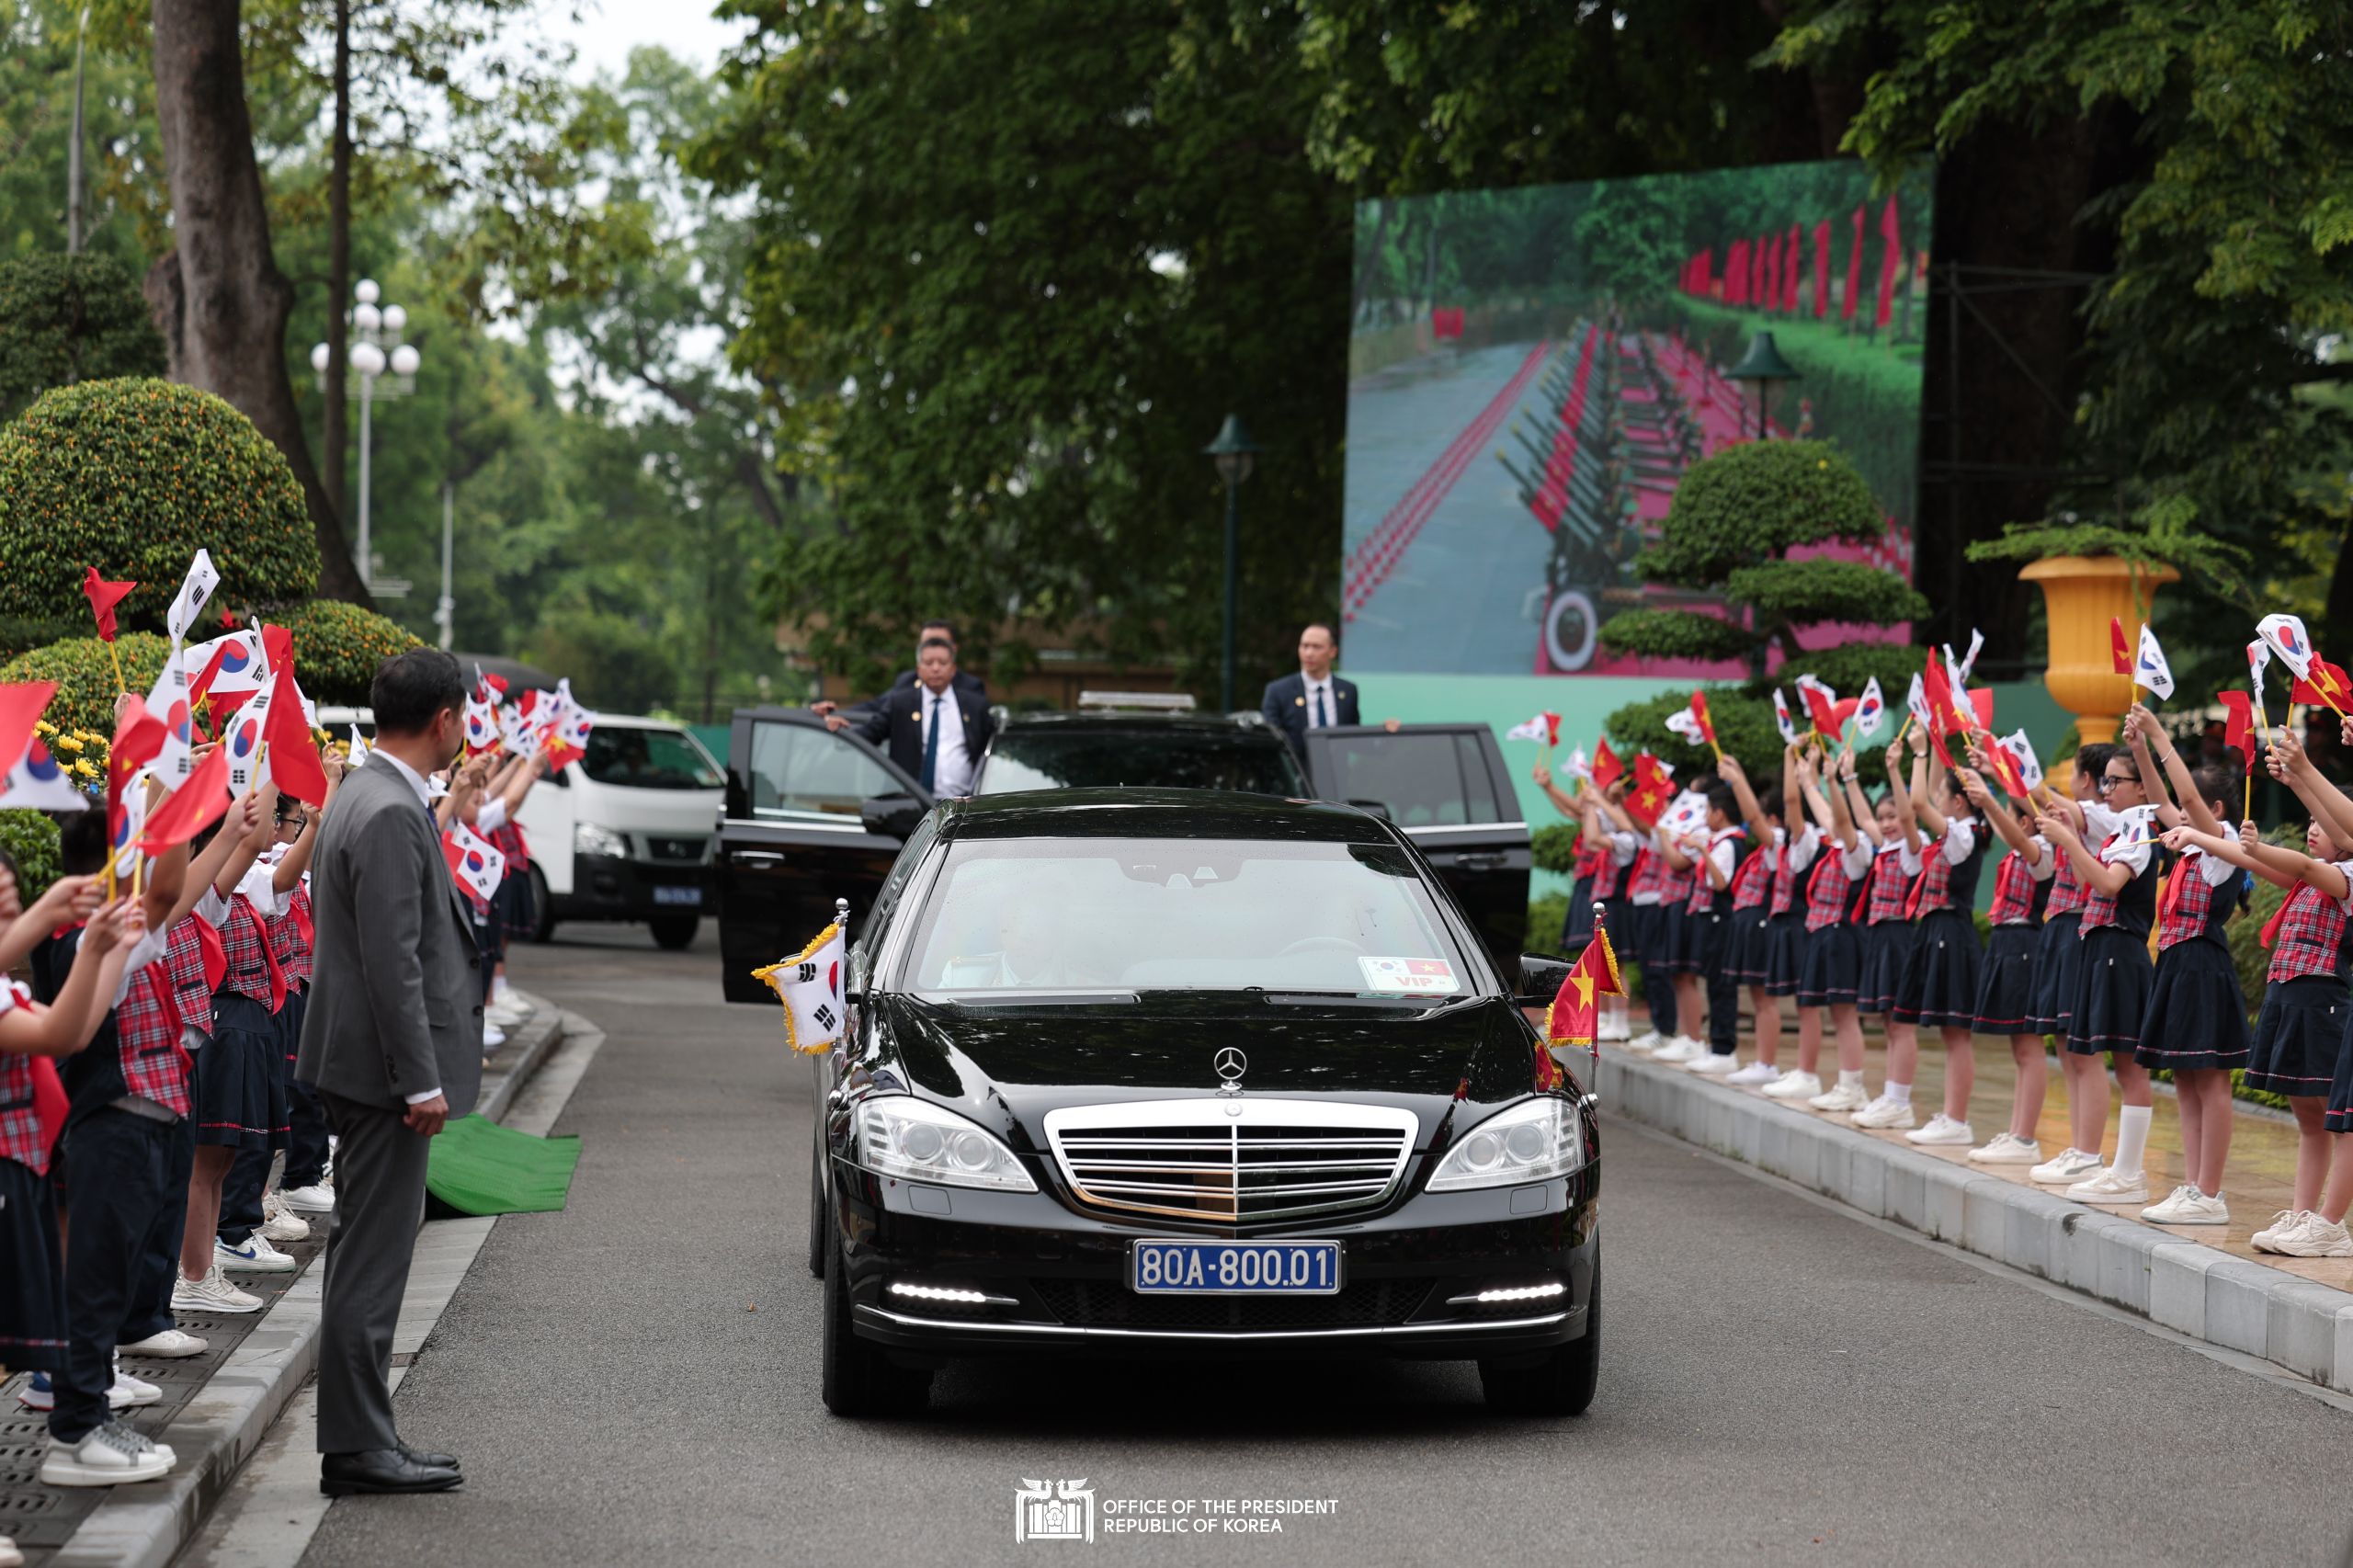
(622, 832)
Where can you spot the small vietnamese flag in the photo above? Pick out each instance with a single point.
(2240, 707)
(1607, 768)
(1699, 711)
(193, 807)
(102, 597)
(2006, 770)
(2325, 683)
(2119, 648)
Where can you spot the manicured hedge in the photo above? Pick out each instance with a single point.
(66, 319)
(85, 677)
(30, 839)
(134, 476)
(338, 647)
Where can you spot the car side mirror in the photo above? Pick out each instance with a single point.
(892, 816)
(1378, 808)
(1542, 976)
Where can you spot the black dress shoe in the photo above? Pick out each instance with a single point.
(383, 1471)
(436, 1462)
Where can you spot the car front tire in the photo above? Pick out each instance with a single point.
(1562, 1382)
(817, 1225)
(859, 1377)
(542, 907)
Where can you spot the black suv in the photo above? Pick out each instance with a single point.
(1061, 751)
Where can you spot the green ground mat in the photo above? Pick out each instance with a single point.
(479, 1167)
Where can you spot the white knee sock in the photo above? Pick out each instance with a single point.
(2131, 1138)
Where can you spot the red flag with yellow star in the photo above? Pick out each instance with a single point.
(1651, 791)
(1575, 1012)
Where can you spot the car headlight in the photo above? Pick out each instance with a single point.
(899, 1135)
(587, 838)
(1528, 1142)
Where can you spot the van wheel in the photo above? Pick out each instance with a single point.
(542, 907)
(673, 933)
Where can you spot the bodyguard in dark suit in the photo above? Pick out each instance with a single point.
(965, 681)
(393, 1043)
(1314, 698)
(934, 729)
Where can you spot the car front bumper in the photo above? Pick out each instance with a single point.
(605, 886)
(1055, 1277)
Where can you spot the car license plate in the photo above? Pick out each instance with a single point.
(1233, 1268)
(690, 896)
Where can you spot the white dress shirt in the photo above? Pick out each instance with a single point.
(952, 769)
(1331, 713)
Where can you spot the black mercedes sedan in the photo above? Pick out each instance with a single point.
(1186, 1073)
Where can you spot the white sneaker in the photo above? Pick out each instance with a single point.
(1793, 1085)
(256, 1256)
(2111, 1185)
(2007, 1149)
(1754, 1074)
(504, 1018)
(212, 1294)
(2188, 1206)
(39, 1393)
(1615, 1027)
(1714, 1066)
(280, 1224)
(1682, 1048)
(1942, 1129)
(1647, 1041)
(112, 1455)
(9, 1556)
(171, 1344)
(318, 1199)
(1845, 1096)
(1897, 1114)
(2065, 1168)
(2317, 1239)
(493, 1037)
(2283, 1224)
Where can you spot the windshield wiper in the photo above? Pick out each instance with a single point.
(1351, 999)
(1035, 998)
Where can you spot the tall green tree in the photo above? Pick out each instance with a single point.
(1012, 265)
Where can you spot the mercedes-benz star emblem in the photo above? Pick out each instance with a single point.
(1230, 1064)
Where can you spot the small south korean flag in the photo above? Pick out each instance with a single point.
(2149, 668)
(809, 987)
(478, 867)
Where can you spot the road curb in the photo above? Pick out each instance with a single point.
(2300, 1325)
(146, 1526)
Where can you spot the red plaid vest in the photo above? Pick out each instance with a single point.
(2133, 909)
(1753, 879)
(147, 1028)
(2068, 894)
(1650, 876)
(21, 1135)
(191, 987)
(1785, 877)
(253, 970)
(1674, 886)
(289, 938)
(2012, 892)
(2188, 908)
(1887, 888)
(1703, 889)
(2308, 936)
(1826, 889)
(1607, 872)
(507, 839)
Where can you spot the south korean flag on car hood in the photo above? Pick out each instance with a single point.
(809, 987)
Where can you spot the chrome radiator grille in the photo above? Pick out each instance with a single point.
(1236, 1160)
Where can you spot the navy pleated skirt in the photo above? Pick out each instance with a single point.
(2112, 980)
(240, 1086)
(1939, 989)
(1575, 931)
(1885, 948)
(2340, 1091)
(1831, 971)
(2057, 959)
(2005, 982)
(2197, 1017)
(1785, 952)
(2299, 1037)
(1678, 951)
(1749, 952)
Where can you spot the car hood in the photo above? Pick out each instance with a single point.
(1007, 1067)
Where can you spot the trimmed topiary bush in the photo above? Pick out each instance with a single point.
(30, 839)
(133, 477)
(67, 318)
(1554, 846)
(84, 675)
(338, 647)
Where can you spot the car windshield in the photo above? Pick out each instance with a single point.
(1006, 916)
(1254, 762)
(649, 759)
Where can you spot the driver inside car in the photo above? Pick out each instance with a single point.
(1028, 955)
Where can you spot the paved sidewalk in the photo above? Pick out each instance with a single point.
(2204, 1282)
(215, 1406)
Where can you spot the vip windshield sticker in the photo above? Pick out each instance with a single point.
(1429, 976)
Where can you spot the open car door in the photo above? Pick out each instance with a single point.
(810, 816)
(1445, 785)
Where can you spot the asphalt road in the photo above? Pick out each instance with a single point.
(635, 1381)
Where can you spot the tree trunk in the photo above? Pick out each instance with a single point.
(333, 392)
(219, 299)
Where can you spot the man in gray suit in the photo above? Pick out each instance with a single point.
(393, 1043)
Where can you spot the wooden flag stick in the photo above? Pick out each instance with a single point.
(117, 657)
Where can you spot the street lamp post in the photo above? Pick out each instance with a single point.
(1763, 364)
(375, 350)
(1235, 453)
